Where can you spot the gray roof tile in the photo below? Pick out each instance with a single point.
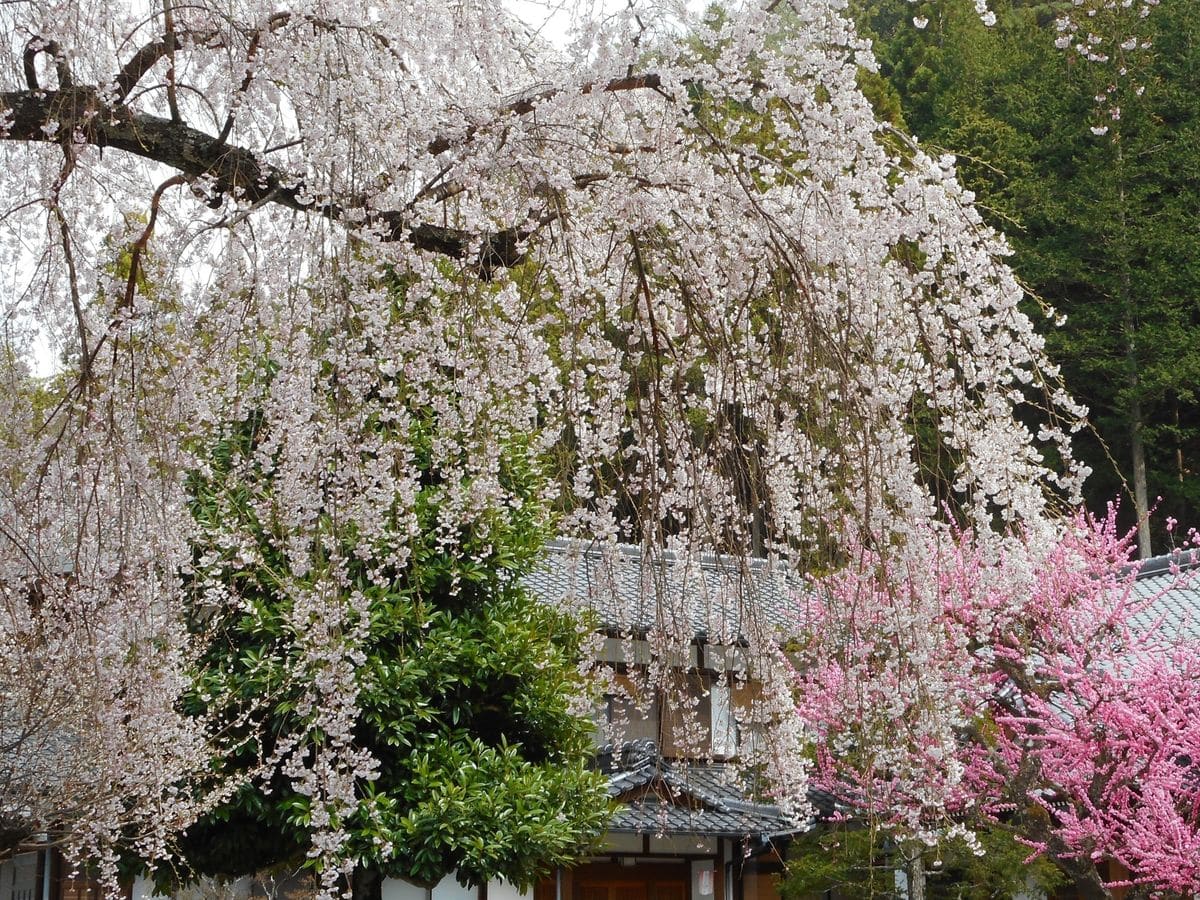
(1172, 584)
(721, 599)
(724, 599)
(652, 816)
(665, 797)
(692, 800)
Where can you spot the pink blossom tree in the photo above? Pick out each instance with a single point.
(678, 257)
(1014, 685)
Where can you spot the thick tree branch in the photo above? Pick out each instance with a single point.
(44, 116)
(149, 55)
(143, 61)
(172, 97)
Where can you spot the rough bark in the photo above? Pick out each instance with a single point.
(916, 877)
(45, 116)
(1087, 884)
(1135, 420)
(1141, 493)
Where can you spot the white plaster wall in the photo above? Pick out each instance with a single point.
(724, 734)
(449, 889)
(502, 890)
(399, 889)
(620, 842)
(204, 889)
(446, 889)
(143, 888)
(672, 843)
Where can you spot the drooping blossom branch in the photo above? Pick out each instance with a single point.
(719, 303)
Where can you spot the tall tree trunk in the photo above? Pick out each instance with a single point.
(1135, 421)
(1141, 499)
(1178, 438)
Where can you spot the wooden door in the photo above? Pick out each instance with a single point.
(638, 882)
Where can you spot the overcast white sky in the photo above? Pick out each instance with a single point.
(552, 18)
(547, 17)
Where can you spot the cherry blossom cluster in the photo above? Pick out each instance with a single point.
(1016, 683)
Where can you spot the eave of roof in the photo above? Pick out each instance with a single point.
(667, 797)
(711, 598)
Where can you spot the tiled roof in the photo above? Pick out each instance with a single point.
(721, 599)
(702, 799)
(662, 797)
(650, 816)
(724, 599)
(1173, 584)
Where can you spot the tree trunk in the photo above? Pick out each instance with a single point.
(1137, 446)
(1090, 887)
(1141, 495)
(916, 876)
(366, 884)
(1178, 438)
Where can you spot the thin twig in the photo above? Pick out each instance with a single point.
(139, 246)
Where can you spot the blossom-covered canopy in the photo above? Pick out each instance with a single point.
(678, 262)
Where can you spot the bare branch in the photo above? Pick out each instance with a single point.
(139, 246)
(149, 56)
(169, 25)
(32, 49)
(529, 102)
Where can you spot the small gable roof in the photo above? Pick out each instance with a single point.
(665, 797)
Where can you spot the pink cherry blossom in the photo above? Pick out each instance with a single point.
(973, 680)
